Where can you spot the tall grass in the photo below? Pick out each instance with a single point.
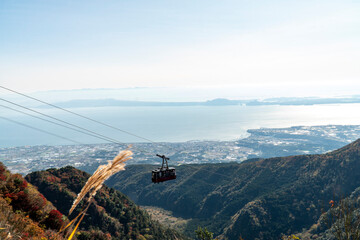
(94, 183)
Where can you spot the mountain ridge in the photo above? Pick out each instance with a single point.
(292, 190)
(111, 212)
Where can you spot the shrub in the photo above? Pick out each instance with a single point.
(54, 220)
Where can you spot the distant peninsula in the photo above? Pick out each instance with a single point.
(80, 103)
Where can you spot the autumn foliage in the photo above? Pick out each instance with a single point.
(54, 220)
(24, 212)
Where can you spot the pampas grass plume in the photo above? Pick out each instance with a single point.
(96, 181)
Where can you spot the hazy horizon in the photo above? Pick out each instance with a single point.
(263, 48)
(182, 51)
(179, 94)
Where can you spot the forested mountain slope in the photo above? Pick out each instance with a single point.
(255, 199)
(24, 212)
(112, 213)
(341, 221)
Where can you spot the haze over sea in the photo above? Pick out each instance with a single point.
(175, 124)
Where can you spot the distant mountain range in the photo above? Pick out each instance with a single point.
(256, 199)
(215, 102)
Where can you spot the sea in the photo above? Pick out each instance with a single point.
(168, 124)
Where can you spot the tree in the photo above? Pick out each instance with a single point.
(54, 220)
(203, 234)
(345, 219)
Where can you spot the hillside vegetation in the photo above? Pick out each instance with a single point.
(112, 216)
(341, 221)
(260, 199)
(24, 212)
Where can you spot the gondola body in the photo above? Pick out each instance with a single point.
(161, 175)
(164, 173)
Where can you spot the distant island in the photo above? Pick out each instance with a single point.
(79, 103)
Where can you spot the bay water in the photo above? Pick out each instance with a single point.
(172, 124)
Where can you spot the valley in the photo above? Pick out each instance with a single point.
(259, 198)
(256, 199)
(274, 182)
(166, 218)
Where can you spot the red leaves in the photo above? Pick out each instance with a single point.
(55, 213)
(10, 195)
(54, 220)
(2, 177)
(21, 198)
(23, 185)
(2, 171)
(2, 168)
(52, 179)
(43, 198)
(19, 201)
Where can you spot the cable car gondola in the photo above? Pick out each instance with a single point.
(164, 173)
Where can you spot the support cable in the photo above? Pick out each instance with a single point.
(79, 115)
(82, 130)
(40, 130)
(53, 122)
(93, 120)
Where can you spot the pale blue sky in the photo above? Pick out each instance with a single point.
(236, 44)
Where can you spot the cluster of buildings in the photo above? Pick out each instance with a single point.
(262, 143)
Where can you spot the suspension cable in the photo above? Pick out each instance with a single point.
(53, 122)
(40, 130)
(82, 130)
(79, 115)
(90, 119)
(57, 119)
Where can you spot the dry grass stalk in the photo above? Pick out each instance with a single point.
(77, 225)
(95, 182)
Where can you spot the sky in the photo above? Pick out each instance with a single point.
(273, 48)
